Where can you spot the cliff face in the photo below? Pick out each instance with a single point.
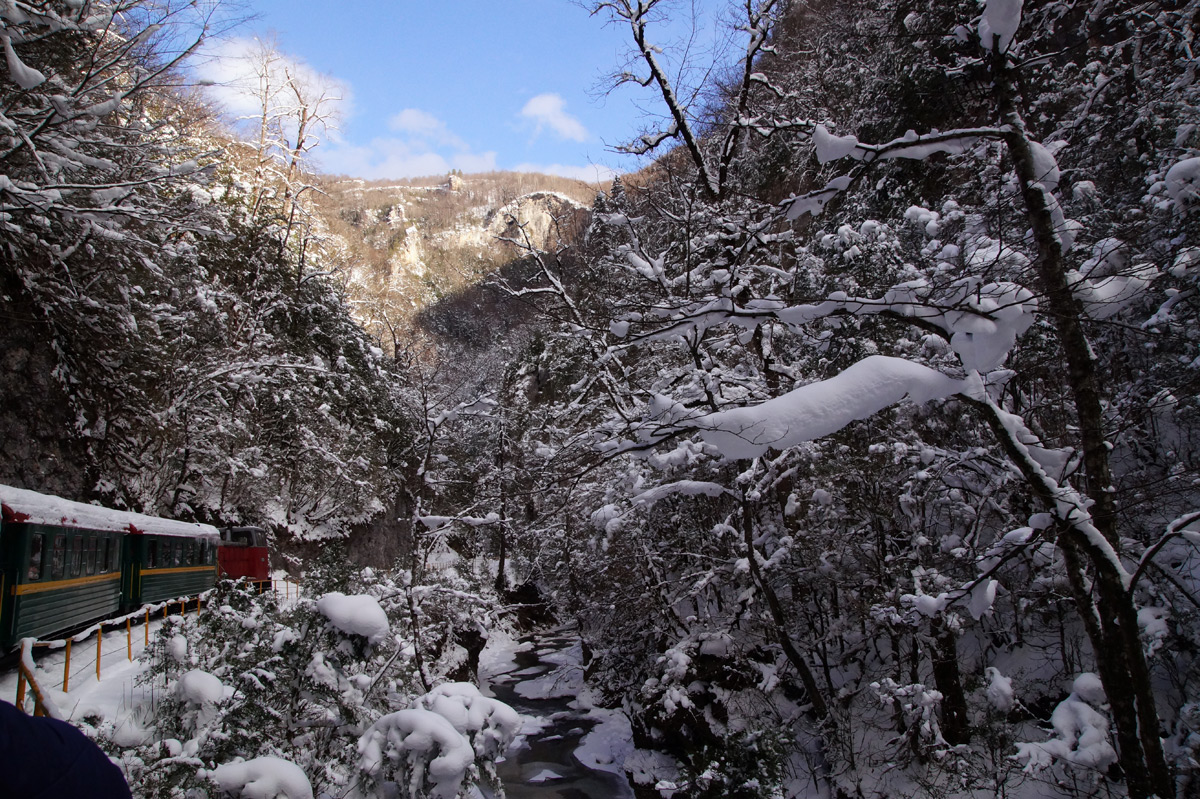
(36, 449)
(543, 219)
(403, 247)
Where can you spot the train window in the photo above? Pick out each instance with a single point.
(191, 553)
(36, 545)
(76, 562)
(204, 552)
(58, 557)
(178, 553)
(152, 554)
(106, 555)
(92, 546)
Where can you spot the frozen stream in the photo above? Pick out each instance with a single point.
(567, 748)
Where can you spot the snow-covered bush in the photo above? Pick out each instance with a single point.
(261, 778)
(1081, 737)
(257, 695)
(489, 725)
(419, 752)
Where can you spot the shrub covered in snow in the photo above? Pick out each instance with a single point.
(267, 699)
(262, 778)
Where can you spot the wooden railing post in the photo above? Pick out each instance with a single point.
(41, 706)
(67, 668)
(99, 650)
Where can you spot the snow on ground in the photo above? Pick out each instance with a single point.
(500, 655)
(113, 697)
(118, 701)
(497, 659)
(609, 743)
(116, 696)
(553, 684)
(545, 775)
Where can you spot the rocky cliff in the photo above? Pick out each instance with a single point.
(403, 246)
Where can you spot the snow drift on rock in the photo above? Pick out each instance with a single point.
(1081, 731)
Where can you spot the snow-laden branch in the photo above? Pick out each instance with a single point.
(911, 145)
(982, 321)
(1069, 506)
(821, 409)
(685, 487)
(809, 412)
(1176, 529)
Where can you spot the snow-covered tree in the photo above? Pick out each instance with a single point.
(957, 250)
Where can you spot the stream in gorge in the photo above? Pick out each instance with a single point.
(542, 679)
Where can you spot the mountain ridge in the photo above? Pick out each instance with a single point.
(405, 245)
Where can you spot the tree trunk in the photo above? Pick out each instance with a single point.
(1107, 609)
(947, 679)
(779, 622)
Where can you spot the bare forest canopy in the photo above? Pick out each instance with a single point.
(858, 434)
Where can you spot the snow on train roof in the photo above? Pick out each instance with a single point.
(21, 506)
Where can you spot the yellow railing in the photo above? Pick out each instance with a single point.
(26, 677)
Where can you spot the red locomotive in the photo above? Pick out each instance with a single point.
(242, 552)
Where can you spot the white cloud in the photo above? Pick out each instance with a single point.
(424, 125)
(550, 111)
(394, 157)
(420, 143)
(591, 173)
(234, 71)
(416, 121)
(425, 146)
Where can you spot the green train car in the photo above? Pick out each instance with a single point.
(64, 564)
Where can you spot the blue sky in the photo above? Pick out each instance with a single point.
(467, 84)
